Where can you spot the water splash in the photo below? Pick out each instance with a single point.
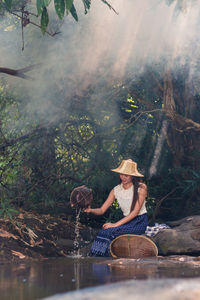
(76, 251)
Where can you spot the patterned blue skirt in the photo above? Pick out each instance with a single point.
(101, 245)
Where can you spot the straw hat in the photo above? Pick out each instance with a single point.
(128, 167)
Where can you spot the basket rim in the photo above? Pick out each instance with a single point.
(132, 235)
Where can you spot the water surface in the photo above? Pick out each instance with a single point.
(30, 281)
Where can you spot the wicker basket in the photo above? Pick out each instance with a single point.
(132, 246)
(81, 197)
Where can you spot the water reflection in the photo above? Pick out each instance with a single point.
(133, 271)
(37, 280)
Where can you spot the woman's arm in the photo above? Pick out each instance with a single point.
(142, 193)
(100, 211)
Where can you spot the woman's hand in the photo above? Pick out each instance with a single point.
(95, 211)
(109, 225)
(87, 210)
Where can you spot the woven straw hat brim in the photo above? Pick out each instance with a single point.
(128, 167)
(127, 173)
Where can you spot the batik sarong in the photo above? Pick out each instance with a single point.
(101, 245)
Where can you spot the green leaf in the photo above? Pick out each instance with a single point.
(46, 2)
(60, 8)
(74, 13)
(68, 4)
(40, 5)
(8, 4)
(108, 4)
(44, 20)
(13, 211)
(86, 4)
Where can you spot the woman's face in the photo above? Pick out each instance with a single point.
(126, 178)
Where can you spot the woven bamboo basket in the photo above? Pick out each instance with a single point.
(81, 197)
(132, 246)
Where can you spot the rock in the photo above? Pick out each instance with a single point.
(165, 289)
(182, 238)
(65, 243)
(196, 235)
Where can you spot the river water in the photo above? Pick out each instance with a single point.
(36, 280)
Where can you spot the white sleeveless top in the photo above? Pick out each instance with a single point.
(125, 197)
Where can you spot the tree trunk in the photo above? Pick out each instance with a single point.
(183, 132)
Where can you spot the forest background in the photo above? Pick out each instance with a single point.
(119, 83)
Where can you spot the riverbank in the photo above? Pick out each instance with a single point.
(38, 260)
(30, 236)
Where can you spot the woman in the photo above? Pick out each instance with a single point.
(131, 195)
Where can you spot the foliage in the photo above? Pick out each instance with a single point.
(6, 209)
(40, 163)
(62, 8)
(174, 196)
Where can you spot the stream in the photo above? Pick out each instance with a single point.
(37, 280)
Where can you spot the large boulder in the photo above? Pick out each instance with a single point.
(183, 237)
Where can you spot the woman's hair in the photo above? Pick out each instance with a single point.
(136, 183)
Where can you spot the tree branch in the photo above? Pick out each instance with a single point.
(184, 123)
(19, 72)
(158, 204)
(26, 21)
(21, 138)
